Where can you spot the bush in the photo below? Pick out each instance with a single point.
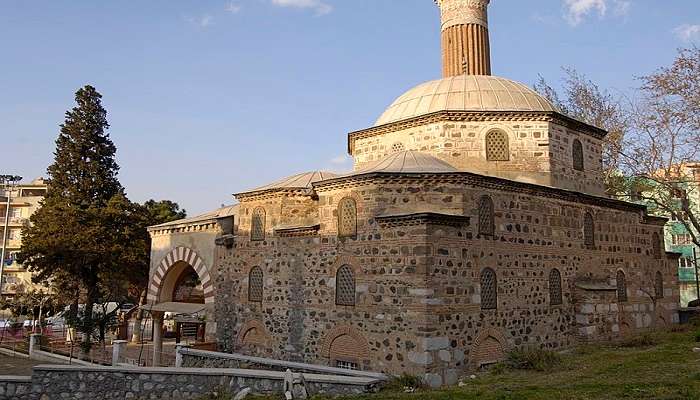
(645, 340)
(405, 382)
(533, 359)
(697, 336)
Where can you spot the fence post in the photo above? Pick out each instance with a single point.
(34, 342)
(178, 354)
(118, 348)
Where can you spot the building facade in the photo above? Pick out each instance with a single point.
(474, 222)
(24, 200)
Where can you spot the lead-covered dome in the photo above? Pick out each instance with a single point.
(465, 93)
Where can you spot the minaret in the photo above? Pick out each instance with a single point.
(465, 37)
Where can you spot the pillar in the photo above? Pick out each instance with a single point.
(157, 337)
(118, 350)
(178, 354)
(465, 37)
(34, 342)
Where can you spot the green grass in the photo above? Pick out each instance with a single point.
(659, 366)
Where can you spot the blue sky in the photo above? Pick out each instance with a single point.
(210, 97)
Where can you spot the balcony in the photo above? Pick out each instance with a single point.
(686, 274)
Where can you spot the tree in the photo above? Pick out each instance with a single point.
(73, 236)
(661, 153)
(585, 101)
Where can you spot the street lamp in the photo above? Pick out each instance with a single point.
(6, 180)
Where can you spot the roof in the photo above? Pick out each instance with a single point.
(304, 180)
(409, 161)
(222, 212)
(478, 93)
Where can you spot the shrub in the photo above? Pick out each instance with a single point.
(533, 359)
(405, 382)
(697, 336)
(644, 340)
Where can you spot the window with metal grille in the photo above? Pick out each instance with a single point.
(656, 245)
(257, 229)
(588, 230)
(486, 219)
(398, 147)
(347, 218)
(255, 285)
(497, 146)
(489, 290)
(345, 286)
(555, 296)
(659, 285)
(577, 154)
(347, 365)
(621, 287)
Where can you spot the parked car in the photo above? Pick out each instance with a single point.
(6, 323)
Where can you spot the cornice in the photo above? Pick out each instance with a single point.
(422, 218)
(475, 116)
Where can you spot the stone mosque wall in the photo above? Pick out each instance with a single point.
(539, 149)
(418, 295)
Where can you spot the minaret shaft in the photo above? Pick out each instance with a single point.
(465, 37)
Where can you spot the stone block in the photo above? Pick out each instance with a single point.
(435, 343)
(451, 377)
(420, 358)
(445, 355)
(433, 380)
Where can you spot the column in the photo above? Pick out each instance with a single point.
(157, 337)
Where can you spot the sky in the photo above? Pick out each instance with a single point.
(208, 98)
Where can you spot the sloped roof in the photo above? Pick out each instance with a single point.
(409, 161)
(304, 180)
(222, 212)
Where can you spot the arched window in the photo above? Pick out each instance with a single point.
(497, 146)
(398, 147)
(487, 225)
(656, 245)
(577, 154)
(255, 285)
(347, 218)
(257, 229)
(555, 296)
(621, 287)
(588, 230)
(345, 286)
(659, 285)
(489, 290)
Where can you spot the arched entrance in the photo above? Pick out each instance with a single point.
(181, 285)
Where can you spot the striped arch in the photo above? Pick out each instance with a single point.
(175, 256)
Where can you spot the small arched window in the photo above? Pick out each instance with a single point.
(345, 286)
(347, 218)
(489, 290)
(577, 154)
(588, 230)
(255, 285)
(487, 224)
(497, 148)
(659, 285)
(257, 229)
(621, 287)
(656, 245)
(555, 295)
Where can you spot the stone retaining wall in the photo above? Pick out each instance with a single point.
(53, 382)
(14, 387)
(209, 359)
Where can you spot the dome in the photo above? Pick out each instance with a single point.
(478, 93)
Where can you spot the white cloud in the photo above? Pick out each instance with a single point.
(233, 7)
(203, 22)
(688, 32)
(575, 11)
(340, 160)
(319, 6)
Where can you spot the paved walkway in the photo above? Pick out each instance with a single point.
(16, 365)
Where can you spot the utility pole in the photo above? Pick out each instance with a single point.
(697, 278)
(6, 180)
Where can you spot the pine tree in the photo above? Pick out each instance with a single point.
(74, 238)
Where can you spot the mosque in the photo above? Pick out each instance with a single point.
(475, 222)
